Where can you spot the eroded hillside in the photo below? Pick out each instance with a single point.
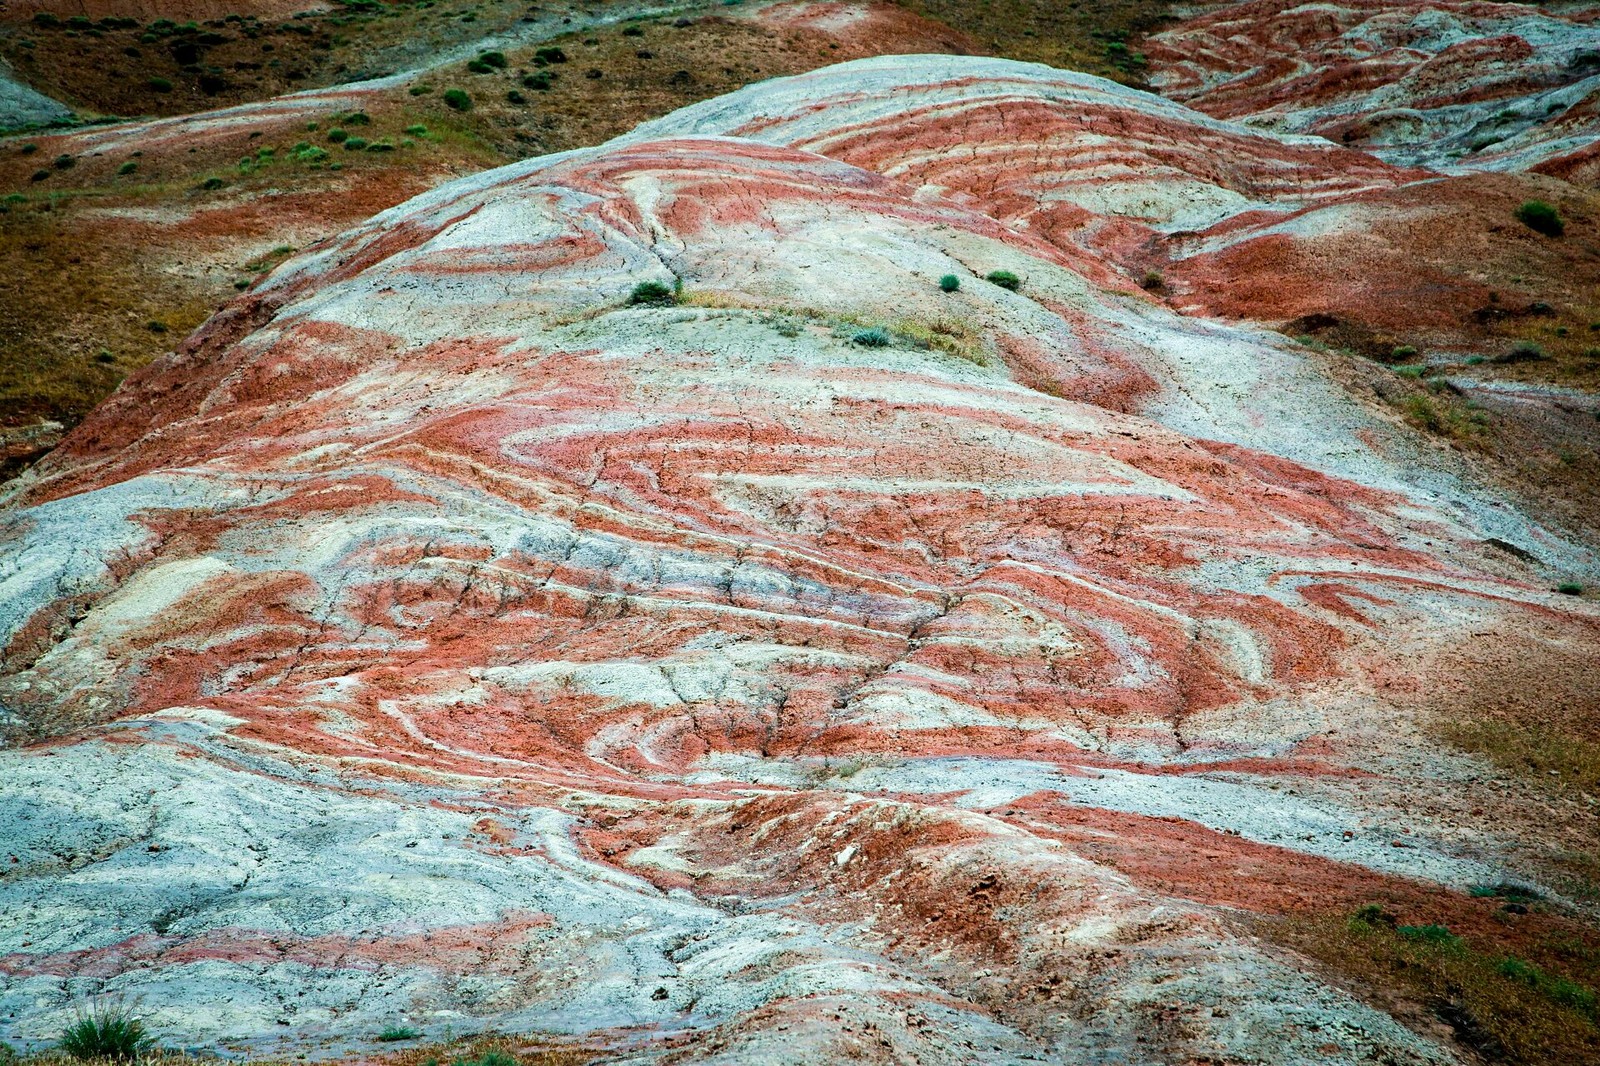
(932, 559)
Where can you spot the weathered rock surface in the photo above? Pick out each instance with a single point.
(1428, 82)
(827, 667)
(21, 105)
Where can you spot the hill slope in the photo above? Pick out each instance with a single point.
(812, 664)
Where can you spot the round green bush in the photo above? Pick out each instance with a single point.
(652, 294)
(457, 100)
(1541, 218)
(1005, 279)
(338, 136)
(949, 283)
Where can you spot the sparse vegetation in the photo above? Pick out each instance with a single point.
(107, 1032)
(1542, 218)
(1506, 1007)
(396, 1033)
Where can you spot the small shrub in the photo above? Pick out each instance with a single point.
(160, 85)
(103, 356)
(478, 66)
(355, 144)
(652, 294)
(1541, 218)
(212, 183)
(1005, 279)
(493, 59)
(107, 1032)
(357, 118)
(457, 100)
(398, 1032)
(1505, 890)
(1413, 372)
(155, 325)
(40, 175)
(550, 55)
(1429, 934)
(381, 146)
(876, 337)
(633, 31)
(45, 19)
(1570, 588)
(1153, 281)
(1522, 352)
(30, 148)
(420, 90)
(64, 162)
(539, 79)
(338, 136)
(1403, 351)
(128, 168)
(419, 130)
(949, 283)
(514, 97)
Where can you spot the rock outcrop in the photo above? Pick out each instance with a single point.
(812, 664)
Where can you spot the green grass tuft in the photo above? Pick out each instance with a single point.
(107, 1032)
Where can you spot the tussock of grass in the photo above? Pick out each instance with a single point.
(107, 1033)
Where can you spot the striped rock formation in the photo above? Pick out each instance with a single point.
(1431, 82)
(821, 667)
